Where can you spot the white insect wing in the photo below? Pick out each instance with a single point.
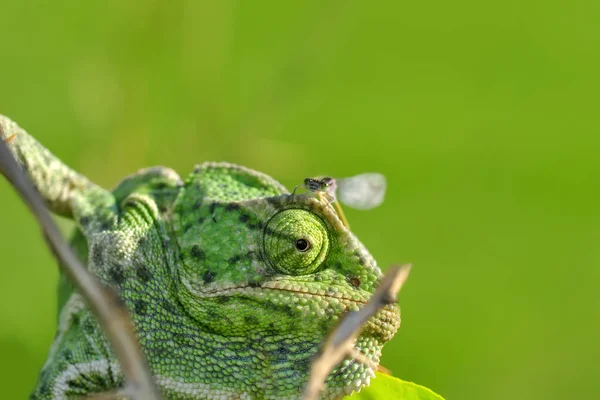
(363, 192)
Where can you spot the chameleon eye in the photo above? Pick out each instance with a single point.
(296, 242)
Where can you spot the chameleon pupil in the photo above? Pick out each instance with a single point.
(302, 245)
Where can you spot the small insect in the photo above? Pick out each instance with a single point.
(361, 192)
(325, 185)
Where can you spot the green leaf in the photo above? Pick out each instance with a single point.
(389, 387)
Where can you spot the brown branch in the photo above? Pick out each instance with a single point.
(340, 342)
(103, 301)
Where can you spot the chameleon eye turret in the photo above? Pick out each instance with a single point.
(296, 242)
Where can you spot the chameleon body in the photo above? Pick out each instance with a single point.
(231, 281)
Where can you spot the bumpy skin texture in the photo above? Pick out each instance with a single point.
(228, 300)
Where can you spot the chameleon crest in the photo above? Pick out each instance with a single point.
(232, 282)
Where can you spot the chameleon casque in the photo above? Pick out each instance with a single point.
(231, 281)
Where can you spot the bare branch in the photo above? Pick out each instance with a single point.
(103, 301)
(340, 342)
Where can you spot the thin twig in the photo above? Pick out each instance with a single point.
(339, 343)
(103, 301)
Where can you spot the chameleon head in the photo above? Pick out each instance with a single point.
(268, 274)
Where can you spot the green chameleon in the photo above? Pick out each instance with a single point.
(231, 281)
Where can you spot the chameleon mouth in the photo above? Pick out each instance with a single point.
(318, 302)
(278, 287)
(315, 293)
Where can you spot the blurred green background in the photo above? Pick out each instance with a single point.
(483, 116)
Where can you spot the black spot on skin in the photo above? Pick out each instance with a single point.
(253, 283)
(272, 329)
(197, 253)
(222, 299)
(208, 276)
(250, 255)
(98, 255)
(169, 307)
(139, 307)
(68, 354)
(84, 221)
(251, 221)
(232, 206)
(276, 308)
(354, 281)
(200, 221)
(250, 320)
(274, 201)
(105, 226)
(143, 273)
(89, 328)
(116, 273)
(213, 207)
(234, 259)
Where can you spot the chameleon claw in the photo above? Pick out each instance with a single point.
(10, 138)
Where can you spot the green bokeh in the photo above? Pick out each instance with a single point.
(483, 116)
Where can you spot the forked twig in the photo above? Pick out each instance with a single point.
(339, 343)
(103, 301)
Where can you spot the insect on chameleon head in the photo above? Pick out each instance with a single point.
(232, 282)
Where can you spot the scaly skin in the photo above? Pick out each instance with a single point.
(225, 304)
